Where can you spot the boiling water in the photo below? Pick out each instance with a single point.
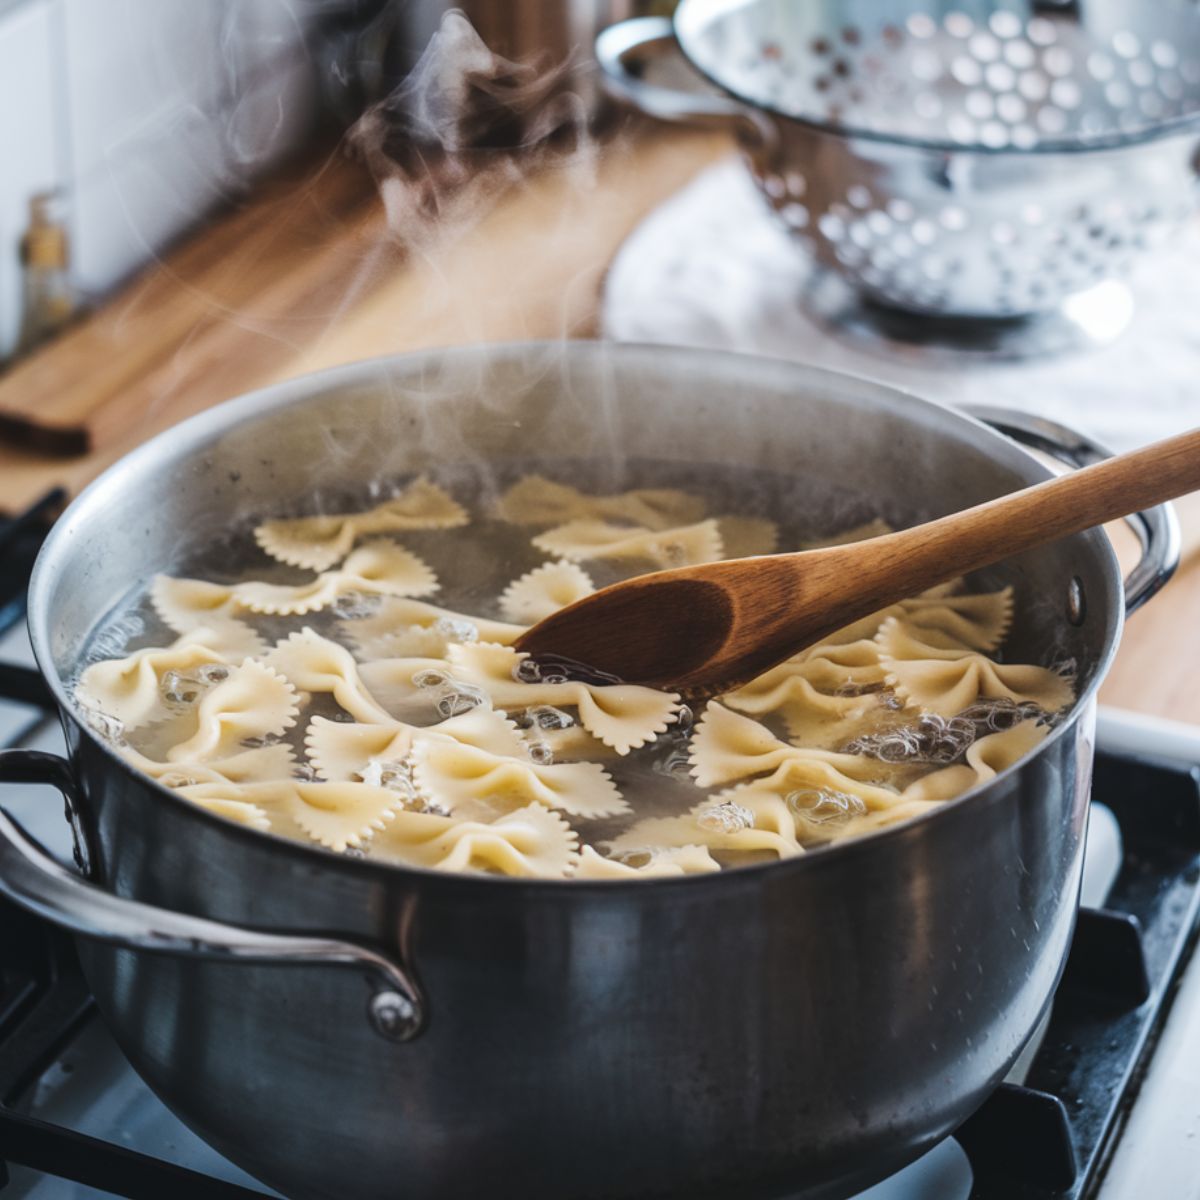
(475, 563)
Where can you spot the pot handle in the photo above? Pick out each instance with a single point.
(33, 879)
(1157, 528)
(622, 49)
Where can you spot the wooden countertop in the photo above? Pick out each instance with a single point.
(304, 276)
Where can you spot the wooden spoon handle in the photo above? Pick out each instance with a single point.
(935, 552)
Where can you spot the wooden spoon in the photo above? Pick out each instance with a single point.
(707, 629)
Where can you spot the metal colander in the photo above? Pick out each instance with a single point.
(967, 160)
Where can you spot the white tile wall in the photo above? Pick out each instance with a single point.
(28, 142)
(148, 112)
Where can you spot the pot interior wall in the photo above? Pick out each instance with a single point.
(316, 443)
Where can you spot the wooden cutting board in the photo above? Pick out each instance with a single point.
(252, 287)
(306, 276)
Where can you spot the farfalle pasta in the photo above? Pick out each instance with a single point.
(348, 710)
(380, 568)
(131, 688)
(543, 591)
(342, 750)
(337, 815)
(657, 863)
(531, 842)
(679, 546)
(316, 664)
(415, 628)
(935, 673)
(318, 542)
(251, 702)
(535, 500)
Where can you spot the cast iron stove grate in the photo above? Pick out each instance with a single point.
(1116, 992)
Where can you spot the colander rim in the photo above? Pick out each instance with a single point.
(1176, 126)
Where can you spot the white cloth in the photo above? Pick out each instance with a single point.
(711, 268)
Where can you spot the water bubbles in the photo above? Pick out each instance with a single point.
(825, 806)
(212, 673)
(684, 720)
(354, 852)
(430, 678)
(396, 776)
(109, 728)
(675, 764)
(114, 639)
(305, 773)
(640, 857)
(541, 754)
(545, 716)
(527, 671)
(177, 779)
(724, 816)
(353, 606)
(455, 629)
(178, 688)
(257, 743)
(458, 698)
(931, 739)
(995, 716)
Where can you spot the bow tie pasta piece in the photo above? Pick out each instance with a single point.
(535, 500)
(237, 811)
(979, 620)
(660, 863)
(824, 695)
(728, 746)
(856, 533)
(315, 664)
(543, 591)
(316, 543)
(337, 815)
(403, 628)
(986, 758)
(928, 671)
(532, 842)
(379, 568)
(830, 821)
(257, 765)
(207, 611)
(341, 752)
(572, 743)
(815, 795)
(622, 716)
(746, 537)
(344, 751)
(761, 823)
(252, 702)
(680, 546)
(457, 777)
(131, 688)
(852, 666)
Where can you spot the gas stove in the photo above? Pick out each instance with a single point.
(1104, 1103)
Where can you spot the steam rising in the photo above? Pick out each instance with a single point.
(464, 127)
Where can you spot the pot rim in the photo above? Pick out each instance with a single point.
(218, 418)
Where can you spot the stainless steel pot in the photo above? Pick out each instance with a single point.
(805, 1027)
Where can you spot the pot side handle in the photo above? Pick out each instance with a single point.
(1157, 528)
(37, 882)
(624, 48)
